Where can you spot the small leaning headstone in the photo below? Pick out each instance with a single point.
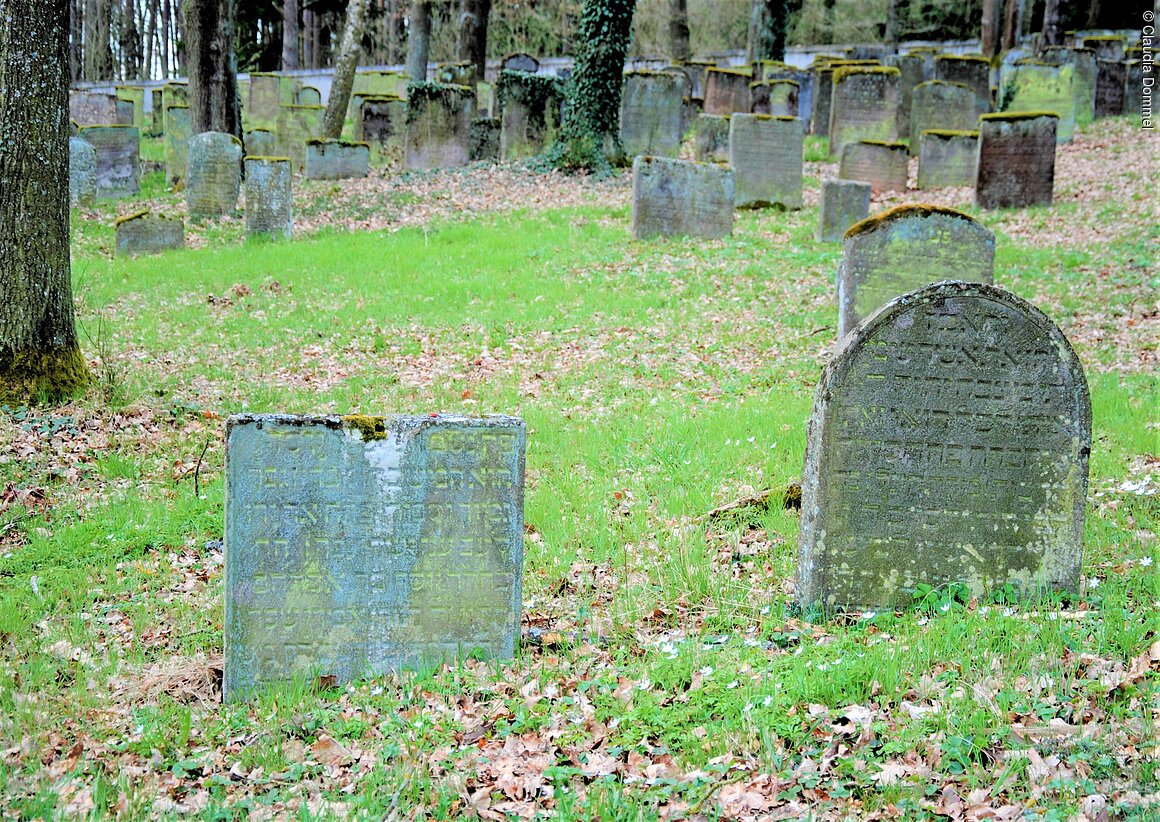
(844, 203)
(269, 197)
(148, 233)
(676, 197)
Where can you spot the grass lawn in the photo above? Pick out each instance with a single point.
(664, 673)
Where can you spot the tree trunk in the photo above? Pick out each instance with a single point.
(1052, 30)
(989, 36)
(394, 33)
(891, 33)
(76, 36)
(767, 25)
(418, 40)
(308, 42)
(166, 27)
(39, 354)
(180, 47)
(130, 42)
(289, 35)
(472, 46)
(344, 69)
(213, 76)
(1094, 11)
(98, 54)
(1011, 20)
(679, 30)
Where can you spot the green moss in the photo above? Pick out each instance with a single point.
(946, 132)
(1107, 38)
(735, 72)
(128, 218)
(298, 107)
(945, 83)
(263, 158)
(50, 375)
(842, 72)
(894, 145)
(906, 210)
(108, 125)
(369, 428)
(969, 58)
(1017, 115)
(336, 141)
(775, 83)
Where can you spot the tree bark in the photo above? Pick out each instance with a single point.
(344, 69)
(308, 41)
(39, 354)
(130, 42)
(394, 33)
(1052, 29)
(1094, 11)
(679, 30)
(213, 76)
(767, 25)
(472, 45)
(418, 40)
(989, 36)
(166, 27)
(289, 35)
(1011, 20)
(98, 54)
(891, 33)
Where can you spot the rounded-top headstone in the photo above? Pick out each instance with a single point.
(82, 172)
(948, 443)
(213, 174)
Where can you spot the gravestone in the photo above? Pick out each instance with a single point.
(911, 72)
(337, 159)
(82, 172)
(118, 159)
(904, 248)
(844, 203)
(366, 545)
(1084, 67)
(173, 94)
(765, 153)
(288, 88)
(697, 70)
(651, 113)
(804, 78)
(308, 96)
(676, 197)
(381, 121)
(520, 62)
(439, 122)
(269, 198)
(157, 115)
(712, 138)
(177, 133)
(823, 71)
(948, 443)
(296, 125)
(135, 97)
(881, 164)
(213, 174)
(262, 111)
(947, 158)
(260, 143)
(1016, 166)
(971, 71)
(726, 91)
(484, 145)
(937, 105)
(148, 233)
(462, 74)
(529, 107)
(778, 98)
(1111, 79)
(1134, 88)
(1105, 46)
(91, 108)
(377, 83)
(1035, 86)
(864, 105)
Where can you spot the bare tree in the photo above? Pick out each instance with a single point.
(289, 34)
(418, 40)
(344, 69)
(213, 77)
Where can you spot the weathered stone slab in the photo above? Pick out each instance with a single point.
(262, 110)
(1111, 80)
(520, 62)
(1083, 85)
(462, 73)
(91, 108)
(337, 159)
(1016, 166)
(297, 125)
(676, 197)
(844, 203)
(726, 91)
(213, 174)
(805, 91)
(260, 143)
(148, 233)
(377, 83)
(882, 164)
(948, 443)
(765, 153)
(941, 106)
(823, 70)
(777, 98)
(82, 172)
(135, 97)
(947, 158)
(381, 121)
(904, 248)
(157, 115)
(308, 96)
(118, 159)
(711, 144)
(173, 94)
(970, 70)
(529, 107)
(269, 197)
(652, 113)
(1036, 86)
(696, 70)
(366, 545)
(439, 122)
(177, 134)
(485, 133)
(1105, 46)
(864, 105)
(1134, 88)
(911, 72)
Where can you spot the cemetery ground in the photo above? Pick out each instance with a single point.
(666, 387)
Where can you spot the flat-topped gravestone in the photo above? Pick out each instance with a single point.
(904, 248)
(844, 203)
(1031, 85)
(882, 164)
(135, 97)
(213, 174)
(260, 143)
(726, 91)
(676, 197)
(118, 159)
(711, 143)
(157, 116)
(529, 112)
(1083, 86)
(1111, 79)
(337, 159)
(82, 172)
(364, 545)
(804, 78)
(381, 121)
(942, 106)
(91, 108)
(970, 70)
(864, 105)
(778, 98)
(1105, 46)
(439, 122)
(1016, 165)
(177, 134)
(269, 198)
(651, 112)
(947, 158)
(148, 233)
(295, 125)
(765, 153)
(948, 443)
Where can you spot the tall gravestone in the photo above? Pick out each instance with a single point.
(765, 153)
(439, 126)
(269, 197)
(651, 113)
(948, 443)
(118, 159)
(823, 72)
(1031, 85)
(295, 126)
(676, 197)
(726, 91)
(173, 94)
(213, 174)
(844, 203)
(1111, 79)
(911, 72)
(177, 134)
(529, 112)
(904, 248)
(1016, 165)
(82, 172)
(1083, 83)
(883, 165)
(364, 545)
(147, 233)
(947, 158)
(804, 78)
(157, 115)
(262, 111)
(944, 107)
(864, 105)
(970, 70)
(1136, 73)
(135, 97)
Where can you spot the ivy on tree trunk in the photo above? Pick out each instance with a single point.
(39, 353)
